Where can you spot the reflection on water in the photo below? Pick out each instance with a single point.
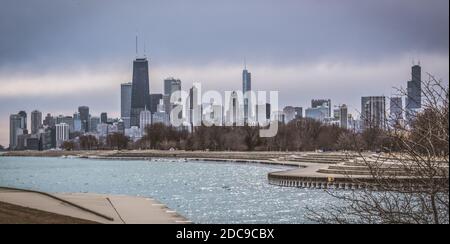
(204, 192)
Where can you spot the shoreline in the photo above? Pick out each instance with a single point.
(15, 214)
(295, 160)
(321, 170)
(89, 207)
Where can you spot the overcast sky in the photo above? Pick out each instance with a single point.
(58, 54)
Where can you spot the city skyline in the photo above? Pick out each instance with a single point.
(342, 78)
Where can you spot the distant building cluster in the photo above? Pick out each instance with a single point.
(140, 108)
(51, 132)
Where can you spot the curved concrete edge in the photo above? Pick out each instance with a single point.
(100, 208)
(61, 200)
(289, 179)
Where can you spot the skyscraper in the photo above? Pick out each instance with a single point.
(373, 112)
(343, 116)
(125, 99)
(154, 102)
(246, 87)
(84, 117)
(414, 92)
(298, 112)
(319, 113)
(23, 121)
(395, 111)
(160, 117)
(145, 119)
(76, 122)
(94, 122)
(36, 121)
(49, 120)
(289, 113)
(70, 121)
(62, 133)
(103, 118)
(315, 103)
(14, 130)
(195, 107)
(125, 103)
(171, 85)
(140, 91)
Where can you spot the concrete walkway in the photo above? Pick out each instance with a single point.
(105, 209)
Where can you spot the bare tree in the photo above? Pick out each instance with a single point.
(409, 182)
(88, 142)
(117, 141)
(68, 145)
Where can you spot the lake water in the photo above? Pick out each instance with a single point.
(204, 192)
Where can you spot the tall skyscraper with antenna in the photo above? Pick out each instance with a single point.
(140, 91)
(414, 92)
(246, 87)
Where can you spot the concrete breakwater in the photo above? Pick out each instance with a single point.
(352, 172)
(347, 183)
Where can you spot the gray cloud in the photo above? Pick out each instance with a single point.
(54, 33)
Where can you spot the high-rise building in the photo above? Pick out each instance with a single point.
(160, 117)
(395, 111)
(154, 102)
(315, 103)
(268, 111)
(23, 121)
(32, 143)
(171, 85)
(279, 116)
(15, 129)
(289, 114)
(263, 114)
(343, 116)
(125, 99)
(84, 117)
(234, 114)
(195, 107)
(121, 126)
(69, 121)
(22, 141)
(246, 88)
(145, 119)
(76, 122)
(60, 119)
(140, 91)
(94, 122)
(36, 121)
(49, 120)
(62, 133)
(319, 113)
(373, 112)
(46, 140)
(414, 92)
(104, 117)
(298, 112)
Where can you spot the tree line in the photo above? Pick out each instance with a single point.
(299, 135)
(115, 141)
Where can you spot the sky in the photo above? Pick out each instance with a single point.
(56, 55)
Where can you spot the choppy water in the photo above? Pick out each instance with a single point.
(204, 192)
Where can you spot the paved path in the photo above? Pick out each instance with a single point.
(110, 209)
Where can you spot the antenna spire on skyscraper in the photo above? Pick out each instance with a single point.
(136, 44)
